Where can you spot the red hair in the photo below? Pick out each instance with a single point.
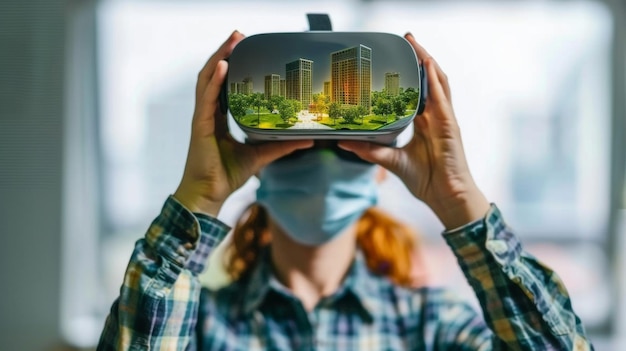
(388, 246)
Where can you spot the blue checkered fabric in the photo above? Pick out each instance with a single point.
(162, 305)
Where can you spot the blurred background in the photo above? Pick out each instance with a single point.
(96, 99)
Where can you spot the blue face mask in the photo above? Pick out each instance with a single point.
(317, 195)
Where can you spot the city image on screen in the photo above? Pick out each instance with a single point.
(323, 81)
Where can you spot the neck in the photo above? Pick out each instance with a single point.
(312, 272)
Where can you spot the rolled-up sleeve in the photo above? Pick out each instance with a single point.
(158, 303)
(524, 303)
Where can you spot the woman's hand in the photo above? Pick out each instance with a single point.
(217, 164)
(432, 165)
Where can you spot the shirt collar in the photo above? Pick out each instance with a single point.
(365, 286)
(259, 283)
(360, 283)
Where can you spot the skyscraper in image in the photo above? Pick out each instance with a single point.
(327, 88)
(392, 83)
(246, 86)
(299, 81)
(351, 76)
(272, 85)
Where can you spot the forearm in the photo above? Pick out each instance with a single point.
(158, 300)
(524, 303)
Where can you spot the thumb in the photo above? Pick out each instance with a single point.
(271, 151)
(383, 155)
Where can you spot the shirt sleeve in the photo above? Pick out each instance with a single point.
(524, 303)
(158, 303)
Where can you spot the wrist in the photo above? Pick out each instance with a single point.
(197, 203)
(461, 209)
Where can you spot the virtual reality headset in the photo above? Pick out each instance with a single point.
(324, 85)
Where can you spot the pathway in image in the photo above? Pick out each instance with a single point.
(305, 121)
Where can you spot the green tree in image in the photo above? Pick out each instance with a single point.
(334, 111)
(410, 96)
(399, 106)
(350, 114)
(286, 110)
(256, 101)
(297, 105)
(320, 101)
(383, 108)
(238, 104)
(378, 95)
(361, 112)
(313, 108)
(273, 102)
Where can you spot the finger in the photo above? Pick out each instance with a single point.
(435, 89)
(422, 54)
(271, 151)
(443, 79)
(204, 118)
(383, 155)
(223, 52)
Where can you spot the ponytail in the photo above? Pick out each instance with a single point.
(388, 246)
(250, 235)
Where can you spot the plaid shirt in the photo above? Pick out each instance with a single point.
(163, 307)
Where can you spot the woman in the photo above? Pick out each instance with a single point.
(311, 286)
(389, 248)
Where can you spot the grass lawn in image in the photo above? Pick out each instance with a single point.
(267, 121)
(370, 122)
(274, 121)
